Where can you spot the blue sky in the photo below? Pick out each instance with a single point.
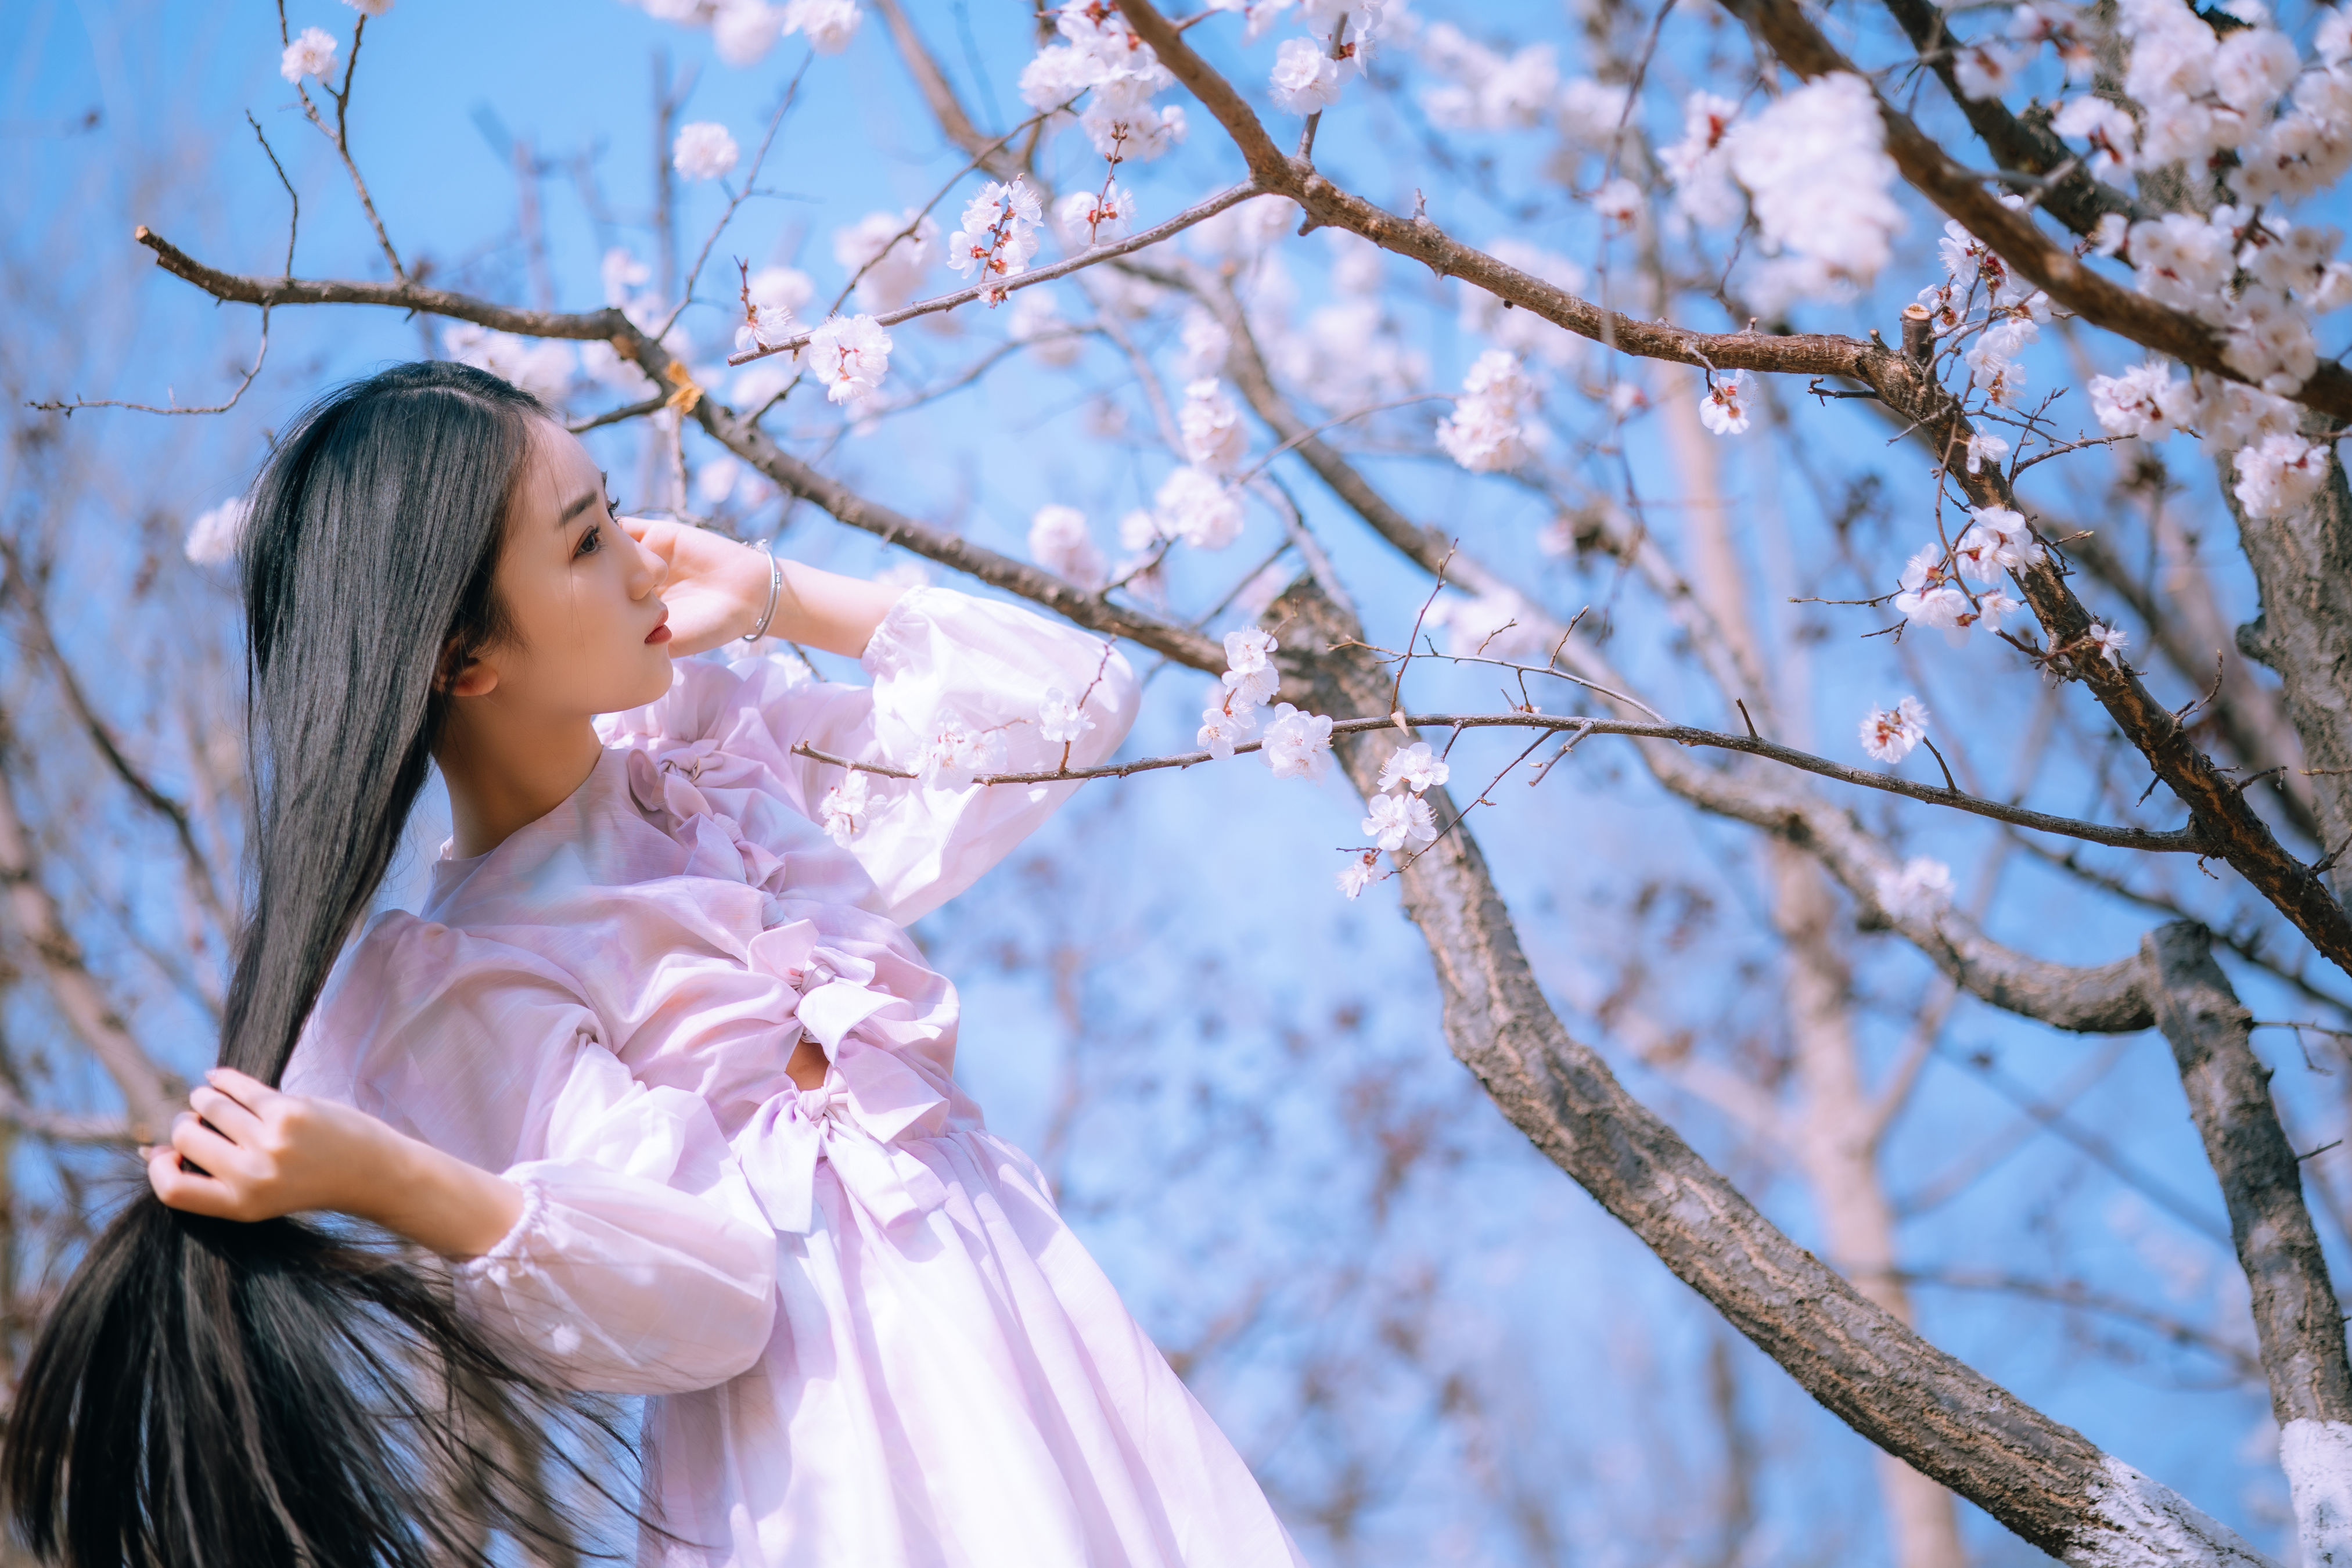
(1210, 889)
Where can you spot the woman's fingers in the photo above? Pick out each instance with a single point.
(185, 1189)
(231, 1116)
(241, 1087)
(207, 1147)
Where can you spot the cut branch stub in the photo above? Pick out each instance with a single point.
(2043, 1480)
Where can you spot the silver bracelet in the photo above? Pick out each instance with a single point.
(775, 586)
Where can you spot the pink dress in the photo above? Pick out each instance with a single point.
(871, 1340)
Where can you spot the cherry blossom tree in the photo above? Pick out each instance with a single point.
(1537, 426)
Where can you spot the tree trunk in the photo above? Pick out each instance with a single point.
(1839, 1150)
(2296, 1317)
(2302, 565)
(2042, 1480)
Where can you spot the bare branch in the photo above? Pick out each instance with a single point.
(2182, 841)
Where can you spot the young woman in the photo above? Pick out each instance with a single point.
(656, 1067)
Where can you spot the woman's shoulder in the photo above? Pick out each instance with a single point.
(419, 1012)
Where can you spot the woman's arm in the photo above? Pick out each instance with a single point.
(715, 589)
(259, 1153)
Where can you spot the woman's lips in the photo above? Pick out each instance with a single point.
(660, 634)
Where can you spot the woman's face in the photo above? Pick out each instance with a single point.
(589, 632)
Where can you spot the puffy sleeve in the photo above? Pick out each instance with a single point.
(961, 686)
(640, 1263)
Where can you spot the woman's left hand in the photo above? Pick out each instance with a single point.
(715, 587)
(244, 1151)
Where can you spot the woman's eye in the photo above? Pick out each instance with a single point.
(590, 541)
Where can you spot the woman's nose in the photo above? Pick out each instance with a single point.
(651, 568)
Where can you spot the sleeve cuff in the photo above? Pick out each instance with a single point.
(499, 1262)
(888, 649)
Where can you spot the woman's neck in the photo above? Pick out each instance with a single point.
(503, 776)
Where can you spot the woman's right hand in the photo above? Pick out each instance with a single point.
(244, 1151)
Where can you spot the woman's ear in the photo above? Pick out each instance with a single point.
(464, 675)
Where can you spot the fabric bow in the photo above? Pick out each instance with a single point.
(869, 1100)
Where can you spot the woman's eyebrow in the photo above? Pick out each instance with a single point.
(577, 506)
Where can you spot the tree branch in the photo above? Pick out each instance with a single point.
(2297, 1320)
(149, 1097)
(2042, 1480)
(1960, 193)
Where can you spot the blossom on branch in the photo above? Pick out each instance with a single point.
(843, 811)
(1211, 427)
(2278, 474)
(2108, 641)
(1095, 217)
(312, 53)
(850, 355)
(1000, 232)
(213, 537)
(889, 253)
(1249, 674)
(703, 150)
(1400, 817)
(1723, 408)
(1061, 717)
(1889, 733)
(1919, 890)
(1417, 766)
(1297, 745)
(1306, 78)
(1357, 874)
(1061, 543)
(1195, 506)
(828, 25)
(1699, 165)
(2148, 401)
(1483, 434)
(1927, 595)
(1818, 176)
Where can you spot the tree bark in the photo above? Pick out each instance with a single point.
(2303, 566)
(2296, 1317)
(149, 1097)
(2042, 1480)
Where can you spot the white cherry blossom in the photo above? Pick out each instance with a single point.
(1095, 216)
(1928, 595)
(1416, 766)
(1723, 407)
(1398, 818)
(1699, 165)
(1297, 745)
(2278, 474)
(1919, 889)
(1484, 433)
(957, 754)
(2108, 641)
(213, 537)
(1214, 439)
(703, 150)
(312, 53)
(1195, 506)
(1889, 733)
(1357, 874)
(843, 810)
(893, 259)
(1060, 542)
(850, 355)
(828, 25)
(1822, 185)
(1061, 719)
(1306, 78)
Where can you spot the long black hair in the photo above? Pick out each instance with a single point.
(207, 1393)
